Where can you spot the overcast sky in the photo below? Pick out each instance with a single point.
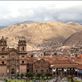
(19, 11)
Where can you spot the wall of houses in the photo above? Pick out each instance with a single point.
(41, 67)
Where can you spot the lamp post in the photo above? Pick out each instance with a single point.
(65, 71)
(7, 72)
(76, 70)
(53, 71)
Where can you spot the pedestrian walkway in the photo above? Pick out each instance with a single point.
(52, 80)
(58, 79)
(1, 80)
(64, 80)
(77, 78)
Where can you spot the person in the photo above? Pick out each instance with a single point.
(56, 80)
(46, 80)
(53, 80)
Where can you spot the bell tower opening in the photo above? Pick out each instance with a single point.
(3, 44)
(22, 45)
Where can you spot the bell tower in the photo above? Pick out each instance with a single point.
(3, 44)
(22, 45)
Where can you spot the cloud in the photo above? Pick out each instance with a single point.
(70, 14)
(17, 11)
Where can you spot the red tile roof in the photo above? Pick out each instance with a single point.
(59, 61)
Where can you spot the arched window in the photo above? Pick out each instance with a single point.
(23, 48)
(3, 49)
(27, 70)
(3, 62)
(12, 71)
(2, 56)
(22, 62)
(22, 56)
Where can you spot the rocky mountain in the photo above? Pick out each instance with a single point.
(40, 35)
(74, 40)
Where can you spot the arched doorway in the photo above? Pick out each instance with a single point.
(13, 71)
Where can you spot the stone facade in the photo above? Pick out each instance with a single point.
(10, 58)
(13, 61)
(41, 67)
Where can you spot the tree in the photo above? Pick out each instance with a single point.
(72, 79)
(29, 75)
(38, 75)
(21, 75)
(6, 80)
(17, 75)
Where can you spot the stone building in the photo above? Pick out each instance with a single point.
(41, 67)
(11, 61)
(14, 61)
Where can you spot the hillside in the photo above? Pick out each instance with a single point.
(74, 40)
(39, 35)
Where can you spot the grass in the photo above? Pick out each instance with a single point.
(16, 80)
(75, 81)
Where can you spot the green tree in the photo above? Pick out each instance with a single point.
(38, 76)
(17, 75)
(48, 75)
(29, 75)
(21, 75)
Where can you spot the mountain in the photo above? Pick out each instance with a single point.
(40, 35)
(74, 40)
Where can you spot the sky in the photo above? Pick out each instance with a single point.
(40, 11)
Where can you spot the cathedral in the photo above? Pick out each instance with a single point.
(9, 57)
(13, 61)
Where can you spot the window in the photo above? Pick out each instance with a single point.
(36, 71)
(3, 49)
(28, 64)
(2, 62)
(31, 55)
(2, 56)
(23, 56)
(23, 48)
(55, 53)
(42, 71)
(27, 70)
(47, 70)
(12, 71)
(22, 62)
